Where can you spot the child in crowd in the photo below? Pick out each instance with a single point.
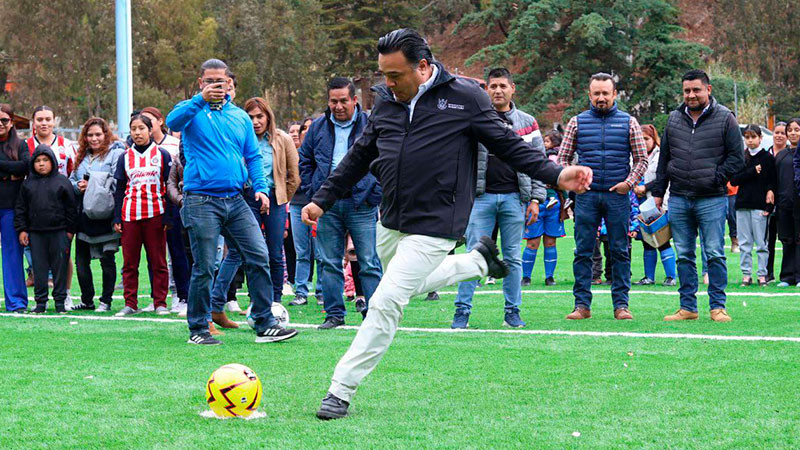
(549, 224)
(754, 202)
(602, 247)
(45, 219)
(141, 215)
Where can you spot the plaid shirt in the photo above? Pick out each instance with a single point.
(638, 149)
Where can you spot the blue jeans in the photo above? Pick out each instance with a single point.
(616, 210)
(274, 224)
(508, 211)
(304, 248)
(707, 215)
(14, 290)
(205, 218)
(332, 227)
(180, 263)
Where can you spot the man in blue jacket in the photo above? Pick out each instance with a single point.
(221, 153)
(356, 213)
(605, 139)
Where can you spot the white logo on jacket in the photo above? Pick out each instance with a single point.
(442, 104)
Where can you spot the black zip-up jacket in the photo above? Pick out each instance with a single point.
(427, 167)
(753, 186)
(785, 190)
(45, 202)
(697, 160)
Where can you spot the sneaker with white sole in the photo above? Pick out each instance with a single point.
(176, 305)
(68, 303)
(233, 306)
(162, 311)
(489, 281)
(275, 334)
(287, 289)
(149, 308)
(127, 311)
(103, 307)
(203, 339)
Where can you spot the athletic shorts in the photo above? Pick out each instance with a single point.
(547, 223)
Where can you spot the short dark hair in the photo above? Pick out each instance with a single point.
(144, 119)
(602, 76)
(696, 74)
(752, 128)
(40, 109)
(414, 47)
(342, 82)
(500, 72)
(213, 63)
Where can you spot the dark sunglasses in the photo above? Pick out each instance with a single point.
(5, 120)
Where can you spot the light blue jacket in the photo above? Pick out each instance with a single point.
(220, 148)
(88, 165)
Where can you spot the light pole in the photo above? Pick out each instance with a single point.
(124, 66)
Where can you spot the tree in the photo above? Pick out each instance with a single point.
(558, 44)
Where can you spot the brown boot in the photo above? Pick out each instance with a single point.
(579, 313)
(681, 314)
(720, 315)
(622, 314)
(213, 330)
(221, 319)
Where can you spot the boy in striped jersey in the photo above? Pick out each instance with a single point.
(141, 215)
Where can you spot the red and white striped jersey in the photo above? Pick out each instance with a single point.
(144, 194)
(172, 145)
(64, 149)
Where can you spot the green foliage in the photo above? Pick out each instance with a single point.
(559, 43)
(752, 106)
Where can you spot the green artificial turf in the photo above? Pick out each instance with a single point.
(75, 383)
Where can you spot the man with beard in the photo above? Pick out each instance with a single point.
(701, 150)
(605, 139)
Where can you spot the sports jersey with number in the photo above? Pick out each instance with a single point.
(63, 148)
(144, 193)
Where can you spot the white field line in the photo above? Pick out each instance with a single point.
(708, 337)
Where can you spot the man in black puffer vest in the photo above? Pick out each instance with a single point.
(700, 151)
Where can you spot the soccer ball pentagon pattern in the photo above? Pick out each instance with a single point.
(279, 311)
(233, 390)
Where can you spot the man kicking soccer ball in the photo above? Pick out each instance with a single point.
(420, 142)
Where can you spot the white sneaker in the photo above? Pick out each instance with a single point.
(162, 311)
(233, 306)
(68, 303)
(176, 305)
(182, 309)
(489, 280)
(127, 311)
(288, 289)
(103, 307)
(149, 308)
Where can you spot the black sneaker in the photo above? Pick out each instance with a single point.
(41, 308)
(361, 305)
(299, 300)
(275, 334)
(526, 281)
(331, 322)
(549, 281)
(83, 307)
(332, 407)
(432, 296)
(203, 339)
(645, 282)
(61, 309)
(497, 267)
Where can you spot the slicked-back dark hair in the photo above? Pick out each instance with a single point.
(342, 82)
(414, 47)
(696, 74)
(213, 63)
(602, 76)
(500, 72)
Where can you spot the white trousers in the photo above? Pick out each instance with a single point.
(413, 264)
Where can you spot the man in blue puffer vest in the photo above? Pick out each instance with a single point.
(325, 145)
(605, 139)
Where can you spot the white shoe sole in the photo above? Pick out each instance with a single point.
(267, 339)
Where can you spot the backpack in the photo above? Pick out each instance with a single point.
(98, 200)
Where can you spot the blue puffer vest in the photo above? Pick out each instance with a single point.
(604, 145)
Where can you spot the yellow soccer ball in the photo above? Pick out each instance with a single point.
(233, 390)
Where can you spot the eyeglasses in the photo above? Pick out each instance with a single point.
(214, 81)
(5, 120)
